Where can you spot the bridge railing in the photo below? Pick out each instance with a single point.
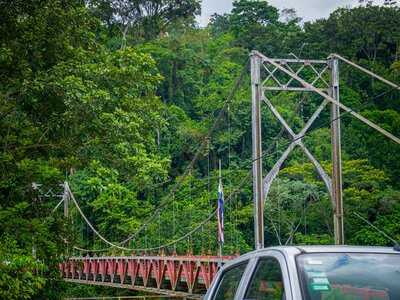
(172, 275)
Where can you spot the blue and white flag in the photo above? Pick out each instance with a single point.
(220, 213)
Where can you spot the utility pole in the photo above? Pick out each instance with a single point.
(337, 194)
(258, 193)
(66, 199)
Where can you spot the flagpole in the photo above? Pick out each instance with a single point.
(219, 239)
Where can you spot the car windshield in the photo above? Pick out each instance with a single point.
(349, 276)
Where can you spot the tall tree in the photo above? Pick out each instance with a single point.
(144, 18)
(371, 33)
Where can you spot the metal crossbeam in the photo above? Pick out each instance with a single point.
(290, 89)
(293, 66)
(296, 60)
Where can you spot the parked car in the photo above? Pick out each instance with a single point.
(310, 273)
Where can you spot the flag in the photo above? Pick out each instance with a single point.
(220, 213)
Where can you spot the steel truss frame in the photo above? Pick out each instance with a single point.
(282, 75)
(330, 94)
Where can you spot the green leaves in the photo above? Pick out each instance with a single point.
(20, 274)
(121, 125)
(363, 32)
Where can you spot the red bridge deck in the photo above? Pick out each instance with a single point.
(187, 276)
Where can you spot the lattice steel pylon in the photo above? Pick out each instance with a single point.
(277, 80)
(300, 75)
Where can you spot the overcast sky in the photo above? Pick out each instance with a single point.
(306, 9)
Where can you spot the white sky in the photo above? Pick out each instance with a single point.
(306, 9)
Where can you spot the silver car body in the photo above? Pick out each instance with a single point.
(287, 260)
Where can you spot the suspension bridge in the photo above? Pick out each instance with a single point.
(161, 269)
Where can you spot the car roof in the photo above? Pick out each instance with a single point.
(295, 250)
(351, 249)
(326, 249)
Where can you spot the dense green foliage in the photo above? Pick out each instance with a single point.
(116, 96)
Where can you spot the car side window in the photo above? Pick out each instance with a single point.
(229, 282)
(266, 282)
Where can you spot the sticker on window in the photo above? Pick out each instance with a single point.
(320, 287)
(320, 280)
(313, 274)
(314, 262)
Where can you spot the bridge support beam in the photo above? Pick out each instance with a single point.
(258, 194)
(336, 155)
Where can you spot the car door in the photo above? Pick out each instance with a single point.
(228, 282)
(268, 280)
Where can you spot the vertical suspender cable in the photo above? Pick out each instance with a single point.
(209, 190)
(173, 221)
(230, 204)
(145, 236)
(159, 229)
